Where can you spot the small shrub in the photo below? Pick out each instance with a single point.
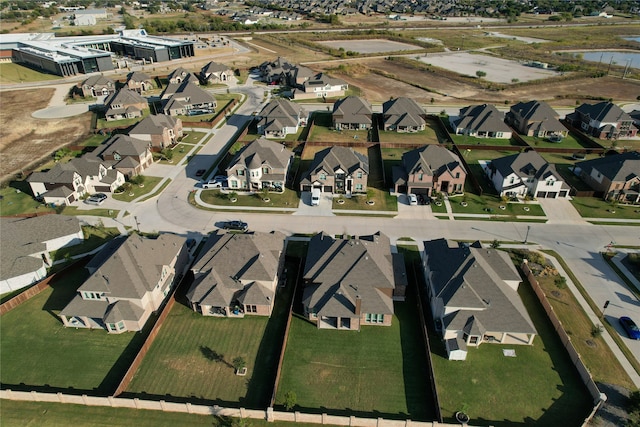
(290, 400)
(560, 282)
(596, 331)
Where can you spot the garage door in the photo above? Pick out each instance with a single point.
(541, 194)
(552, 194)
(328, 189)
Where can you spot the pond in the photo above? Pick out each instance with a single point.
(618, 58)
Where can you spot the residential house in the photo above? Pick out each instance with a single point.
(280, 117)
(97, 85)
(352, 113)
(403, 115)
(298, 75)
(526, 174)
(603, 120)
(352, 281)
(536, 118)
(67, 182)
(127, 155)
(237, 274)
(616, 176)
(214, 72)
(320, 86)
(260, 164)
(159, 131)
(26, 245)
(138, 81)
(277, 71)
(124, 104)
(338, 170)
(180, 75)
(481, 121)
(429, 169)
(187, 98)
(473, 294)
(130, 278)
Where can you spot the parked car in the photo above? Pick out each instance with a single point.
(214, 184)
(630, 327)
(236, 225)
(219, 178)
(413, 199)
(200, 172)
(96, 199)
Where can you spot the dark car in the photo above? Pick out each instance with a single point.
(200, 172)
(236, 225)
(630, 327)
(96, 199)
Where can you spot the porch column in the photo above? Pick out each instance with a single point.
(503, 338)
(531, 337)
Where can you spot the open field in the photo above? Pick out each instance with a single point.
(16, 73)
(82, 359)
(370, 45)
(379, 370)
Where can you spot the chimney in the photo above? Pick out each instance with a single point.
(358, 305)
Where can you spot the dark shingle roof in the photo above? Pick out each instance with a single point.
(617, 167)
(482, 118)
(334, 158)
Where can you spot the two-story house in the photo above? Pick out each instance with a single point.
(180, 75)
(236, 274)
(604, 120)
(523, 174)
(352, 282)
(473, 294)
(339, 170)
(159, 131)
(279, 118)
(352, 113)
(187, 98)
(428, 169)
(124, 104)
(67, 182)
(320, 86)
(616, 177)
(129, 156)
(139, 82)
(536, 118)
(403, 115)
(260, 164)
(480, 121)
(130, 278)
(214, 72)
(97, 85)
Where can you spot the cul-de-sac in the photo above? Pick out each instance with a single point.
(274, 213)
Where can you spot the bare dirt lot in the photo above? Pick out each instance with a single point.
(23, 139)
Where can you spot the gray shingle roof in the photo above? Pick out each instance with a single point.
(617, 167)
(430, 160)
(263, 152)
(604, 112)
(473, 280)
(539, 114)
(403, 112)
(352, 109)
(338, 271)
(527, 164)
(282, 111)
(482, 118)
(334, 158)
(124, 97)
(98, 80)
(154, 125)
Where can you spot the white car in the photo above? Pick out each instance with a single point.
(214, 184)
(413, 199)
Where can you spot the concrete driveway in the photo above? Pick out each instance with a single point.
(560, 211)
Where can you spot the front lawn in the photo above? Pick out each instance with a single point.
(183, 360)
(16, 199)
(382, 201)
(592, 207)
(37, 350)
(179, 151)
(379, 371)
(540, 386)
(133, 191)
(193, 137)
(487, 204)
(288, 199)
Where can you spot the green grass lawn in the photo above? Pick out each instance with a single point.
(470, 140)
(150, 183)
(20, 414)
(379, 371)
(93, 237)
(15, 73)
(193, 137)
(288, 199)
(178, 362)
(73, 210)
(565, 158)
(566, 171)
(592, 207)
(383, 201)
(102, 123)
(179, 152)
(37, 350)
(17, 199)
(538, 387)
(427, 136)
(487, 204)
(94, 140)
(473, 155)
(568, 141)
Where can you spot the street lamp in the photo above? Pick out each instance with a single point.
(137, 223)
(526, 237)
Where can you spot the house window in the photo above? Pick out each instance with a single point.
(374, 318)
(234, 184)
(120, 325)
(111, 326)
(457, 174)
(322, 176)
(250, 309)
(511, 180)
(550, 182)
(265, 170)
(420, 177)
(240, 172)
(91, 295)
(358, 187)
(359, 175)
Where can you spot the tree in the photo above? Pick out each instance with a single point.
(167, 153)
(239, 363)
(290, 400)
(633, 409)
(495, 244)
(480, 74)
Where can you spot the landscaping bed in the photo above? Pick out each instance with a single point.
(287, 199)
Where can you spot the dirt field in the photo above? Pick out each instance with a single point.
(24, 139)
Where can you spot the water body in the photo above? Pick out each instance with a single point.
(634, 38)
(619, 58)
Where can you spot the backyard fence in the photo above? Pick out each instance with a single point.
(187, 408)
(598, 397)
